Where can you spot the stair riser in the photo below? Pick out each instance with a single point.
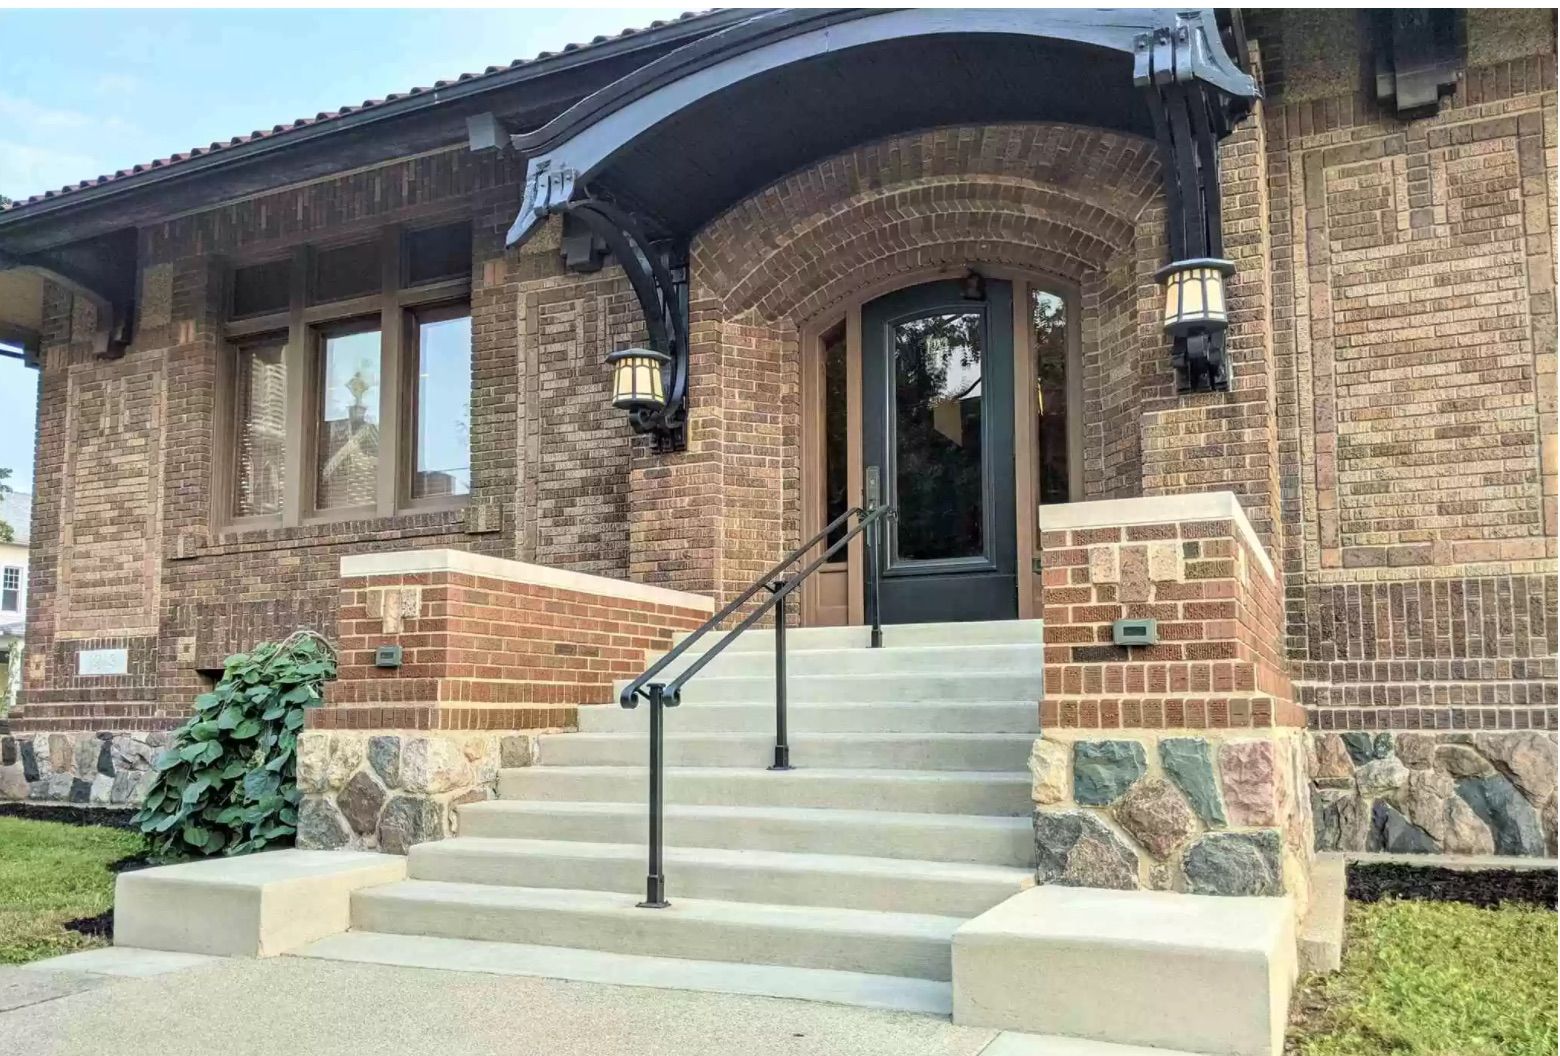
(998, 752)
(730, 883)
(991, 632)
(993, 659)
(660, 933)
(824, 718)
(860, 689)
(948, 842)
(1000, 795)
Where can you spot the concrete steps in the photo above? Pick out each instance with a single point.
(879, 943)
(778, 877)
(843, 879)
(924, 717)
(1005, 841)
(816, 687)
(995, 658)
(990, 632)
(997, 793)
(890, 751)
(894, 993)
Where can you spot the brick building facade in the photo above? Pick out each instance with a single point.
(1390, 431)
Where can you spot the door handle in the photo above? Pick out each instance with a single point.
(874, 487)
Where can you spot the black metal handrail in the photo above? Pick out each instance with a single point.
(663, 695)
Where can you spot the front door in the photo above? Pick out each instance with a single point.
(937, 432)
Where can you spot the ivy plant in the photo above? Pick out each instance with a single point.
(227, 783)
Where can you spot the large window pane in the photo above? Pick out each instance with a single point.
(1049, 315)
(260, 407)
(835, 442)
(347, 433)
(443, 407)
(938, 415)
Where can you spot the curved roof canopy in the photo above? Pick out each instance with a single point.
(680, 140)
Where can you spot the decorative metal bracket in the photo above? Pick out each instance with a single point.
(662, 299)
(1194, 93)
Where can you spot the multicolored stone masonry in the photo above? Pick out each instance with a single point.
(1223, 812)
(1435, 793)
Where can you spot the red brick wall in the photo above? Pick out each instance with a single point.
(1391, 432)
(1216, 605)
(484, 652)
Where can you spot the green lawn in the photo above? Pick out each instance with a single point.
(1435, 979)
(52, 873)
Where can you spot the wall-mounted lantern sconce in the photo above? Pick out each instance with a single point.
(1194, 295)
(638, 382)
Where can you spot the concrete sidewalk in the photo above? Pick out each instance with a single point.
(292, 1006)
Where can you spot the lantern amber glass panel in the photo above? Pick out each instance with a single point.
(1194, 295)
(637, 381)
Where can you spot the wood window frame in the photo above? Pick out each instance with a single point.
(819, 599)
(303, 323)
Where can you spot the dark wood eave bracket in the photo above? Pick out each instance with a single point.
(581, 165)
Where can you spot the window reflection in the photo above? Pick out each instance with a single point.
(938, 436)
(348, 432)
(1048, 314)
(443, 408)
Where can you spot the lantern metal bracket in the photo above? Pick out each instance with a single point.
(653, 274)
(1180, 70)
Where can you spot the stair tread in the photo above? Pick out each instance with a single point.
(799, 774)
(882, 818)
(779, 861)
(846, 735)
(599, 903)
(626, 969)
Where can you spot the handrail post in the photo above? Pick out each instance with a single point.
(782, 746)
(874, 602)
(655, 878)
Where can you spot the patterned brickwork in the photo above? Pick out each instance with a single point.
(1217, 612)
(1391, 432)
(486, 653)
(1414, 338)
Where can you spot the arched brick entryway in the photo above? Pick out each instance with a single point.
(1046, 199)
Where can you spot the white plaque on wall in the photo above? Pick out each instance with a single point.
(103, 662)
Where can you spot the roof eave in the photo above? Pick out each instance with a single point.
(227, 158)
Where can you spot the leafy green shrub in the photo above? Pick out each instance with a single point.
(228, 782)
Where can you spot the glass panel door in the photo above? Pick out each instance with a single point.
(937, 434)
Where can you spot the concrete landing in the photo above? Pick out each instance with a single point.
(255, 905)
(1149, 968)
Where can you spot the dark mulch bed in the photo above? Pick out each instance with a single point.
(1486, 888)
(70, 814)
(102, 925)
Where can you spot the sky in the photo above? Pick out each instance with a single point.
(87, 92)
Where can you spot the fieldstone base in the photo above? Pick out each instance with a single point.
(389, 790)
(1435, 792)
(90, 768)
(1204, 812)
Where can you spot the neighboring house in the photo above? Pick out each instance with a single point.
(16, 511)
(1220, 342)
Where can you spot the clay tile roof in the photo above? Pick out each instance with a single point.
(367, 104)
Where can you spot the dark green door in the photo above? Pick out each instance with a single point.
(937, 381)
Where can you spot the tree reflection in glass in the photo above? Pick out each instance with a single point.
(937, 428)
